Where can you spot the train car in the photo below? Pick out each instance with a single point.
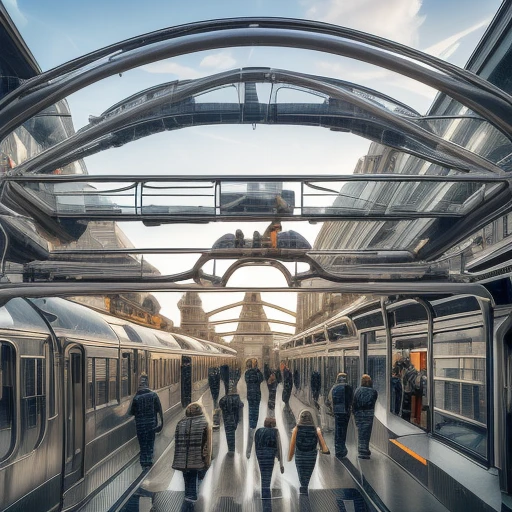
(68, 376)
(442, 371)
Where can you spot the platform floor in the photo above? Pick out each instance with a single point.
(233, 482)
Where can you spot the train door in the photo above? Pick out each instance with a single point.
(186, 380)
(74, 438)
(506, 473)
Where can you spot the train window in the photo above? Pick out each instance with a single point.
(460, 395)
(112, 380)
(409, 396)
(100, 381)
(408, 314)
(369, 320)
(337, 332)
(33, 407)
(455, 307)
(7, 399)
(351, 364)
(51, 379)
(376, 361)
(90, 383)
(319, 337)
(133, 335)
(126, 369)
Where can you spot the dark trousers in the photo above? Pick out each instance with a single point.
(286, 395)
(254, 411)
(364, 423)
(340, 434)
(272, 399)
(305, 462)
(190, 477)
(147, 444)
(266, 463)
(230, 428)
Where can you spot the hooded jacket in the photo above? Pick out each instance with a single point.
(193, 440)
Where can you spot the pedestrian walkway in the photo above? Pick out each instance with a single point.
(233, 481)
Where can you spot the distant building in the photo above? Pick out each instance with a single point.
(253, 338)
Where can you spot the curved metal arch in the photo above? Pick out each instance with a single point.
(178, 92)
(475, 93)
(241, 303)
(257, 262)
(239, 321)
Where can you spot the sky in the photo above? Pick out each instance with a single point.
(59, 30)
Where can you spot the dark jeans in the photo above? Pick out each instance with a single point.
(254, 411)
(190, 477)
(340, 434)
(305, 462)
(266, 463)
(364, 423)
(230, 429)
(147, 444)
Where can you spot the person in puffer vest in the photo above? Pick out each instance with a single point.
(192, 448)
(230, 406)
(340, 398)
(364, 411)
(253, 379)
(146, 407)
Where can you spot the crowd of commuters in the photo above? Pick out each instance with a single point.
(193, 435)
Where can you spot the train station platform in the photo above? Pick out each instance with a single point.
(233, 481)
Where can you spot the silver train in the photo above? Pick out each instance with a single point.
(443, 370)
(67, 377)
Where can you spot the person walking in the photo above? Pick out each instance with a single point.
(316, 384)
(253, 379)
(272, 391)
(268, 447)
(340, 398)
(224, 376)
(303, 444)
(287, 383)
(214, 383)
(146, 408)
(364, 411)
(192, 448)
(230, 406)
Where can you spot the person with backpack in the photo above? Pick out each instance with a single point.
(230, 406)
(146, 408)
(340, 398)
(365, 398)
(268, 448)
(253, 379)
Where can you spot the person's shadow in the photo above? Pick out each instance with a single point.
(228, 487)
(289, 418)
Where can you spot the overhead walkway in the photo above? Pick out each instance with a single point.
(233, 482)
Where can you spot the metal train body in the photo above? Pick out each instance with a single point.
(451, 434)
(68, 376)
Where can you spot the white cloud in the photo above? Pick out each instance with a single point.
(447, 47)
(398, 20)
(14, 11)
(218, 61)
(172, 68)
